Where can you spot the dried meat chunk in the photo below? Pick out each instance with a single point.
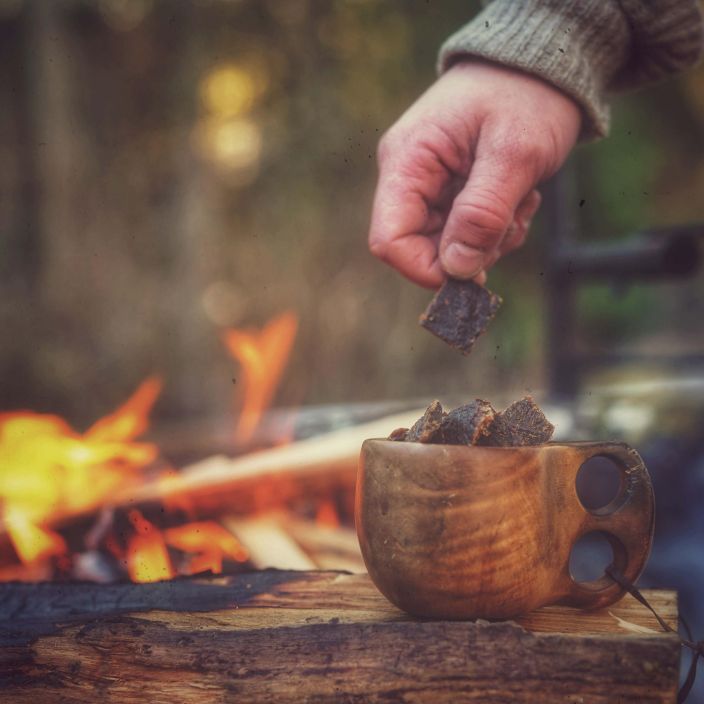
(522, 423)
(427, 428)
(400, 434)
(477, 423)
(468, 424)
(460, 312)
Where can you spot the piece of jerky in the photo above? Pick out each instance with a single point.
(427, 428)
(468, 424)
(400, 434)
(522, 423)
(460, 312)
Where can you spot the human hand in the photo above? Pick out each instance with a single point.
(458, 171)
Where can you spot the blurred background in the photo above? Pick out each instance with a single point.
(170, 170)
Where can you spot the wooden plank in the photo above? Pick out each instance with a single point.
(315, 637)
(318, 461)
(268, 543)
(330, 548)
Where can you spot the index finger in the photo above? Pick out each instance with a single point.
(400, 232)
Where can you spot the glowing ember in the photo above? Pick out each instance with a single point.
(48, 470)
(209, 542)
(327, 516)
(147, 557)
(262, 355)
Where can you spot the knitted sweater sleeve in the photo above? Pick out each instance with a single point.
(587, 48)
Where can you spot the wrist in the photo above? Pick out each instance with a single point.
(562, 44)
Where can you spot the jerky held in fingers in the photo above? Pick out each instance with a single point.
(522, 423)
(427, 428)
(460, 312)
(469, 424)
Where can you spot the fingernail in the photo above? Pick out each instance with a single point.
(461, 260)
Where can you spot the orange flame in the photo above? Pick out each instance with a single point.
(147, 557)
(209, 542)
(48, 470)
(326, 515)
(262, 355)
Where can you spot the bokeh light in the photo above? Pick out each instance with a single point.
(231, 144)
(228, 91)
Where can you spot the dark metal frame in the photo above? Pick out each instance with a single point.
(651, 255)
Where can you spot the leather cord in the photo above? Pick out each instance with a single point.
(697, 647)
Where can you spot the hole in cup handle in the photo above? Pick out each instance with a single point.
(629, 528)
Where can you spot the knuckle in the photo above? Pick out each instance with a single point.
(390, 142)
(524, 149)
(485, 218)
(514, 239)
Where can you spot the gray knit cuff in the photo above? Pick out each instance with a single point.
(577, 47)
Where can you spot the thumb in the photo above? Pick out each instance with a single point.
(481, 215)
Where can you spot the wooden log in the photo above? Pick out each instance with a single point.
(330, 548)
(316, 637)
(268, 543)
(317, 464)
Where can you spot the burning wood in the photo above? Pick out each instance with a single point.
(269, 544)
(305, 472)
(95, 504)
(48, 470)
(330, 548)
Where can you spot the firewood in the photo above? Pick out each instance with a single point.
(268, 543)
(330, 548)
(269, 479)
(311, 465)
(316, 636)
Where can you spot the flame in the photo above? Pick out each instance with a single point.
(147, 556)
(209, 542)
(262, 355)
(47, 469)
(31, 542)
(326, 515)
(132, 418)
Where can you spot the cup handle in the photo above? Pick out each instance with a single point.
(627, 522)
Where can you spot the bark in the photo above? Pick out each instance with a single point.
(316, 637)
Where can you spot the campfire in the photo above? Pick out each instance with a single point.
(104, 505)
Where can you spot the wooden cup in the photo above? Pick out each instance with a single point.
(461, 532)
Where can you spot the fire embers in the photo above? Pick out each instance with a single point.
(477, 423)
(49, 471)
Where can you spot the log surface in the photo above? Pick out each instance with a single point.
(316, 637)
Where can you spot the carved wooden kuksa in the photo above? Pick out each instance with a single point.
(452, 531)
